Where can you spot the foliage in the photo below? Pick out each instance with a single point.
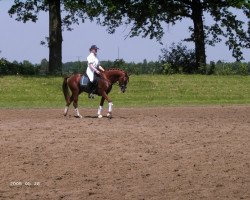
(74, 67)
(132, 68)
(238, 68)
(25, 68)
(178, 59)
(172, 65)
(167, 69)
(74, 12)
(62, 14)
(146, 18)
(143, 90)
(223, 68)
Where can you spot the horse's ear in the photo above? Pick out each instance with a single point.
(128, 74)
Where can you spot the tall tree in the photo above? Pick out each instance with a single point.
(148, 16)
(55, 37)
(28, 11)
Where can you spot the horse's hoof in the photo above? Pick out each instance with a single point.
(66, 111)
(109, 115)
(99, 116)
(78, 116)
(65, 114)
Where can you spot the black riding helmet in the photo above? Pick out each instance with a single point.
(93, 47)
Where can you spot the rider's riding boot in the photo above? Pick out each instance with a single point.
(91, 91)
(92, 88)
(91, 95)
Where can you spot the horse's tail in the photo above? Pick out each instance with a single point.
(66, 89)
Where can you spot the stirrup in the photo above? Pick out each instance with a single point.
(91, 96)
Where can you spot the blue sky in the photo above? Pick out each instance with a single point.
(19, 41)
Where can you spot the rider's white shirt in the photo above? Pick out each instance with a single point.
(94, 60)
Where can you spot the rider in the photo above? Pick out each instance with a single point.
(93, 69)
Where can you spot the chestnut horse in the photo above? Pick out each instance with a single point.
(104, 86)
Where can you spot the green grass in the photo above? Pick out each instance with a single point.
(144, 90)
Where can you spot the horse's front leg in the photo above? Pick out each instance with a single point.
(105, 96)
(99, 112)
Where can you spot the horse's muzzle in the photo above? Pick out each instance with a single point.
(123, 88)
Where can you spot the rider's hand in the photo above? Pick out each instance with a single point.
(101, 68)
(98, 72)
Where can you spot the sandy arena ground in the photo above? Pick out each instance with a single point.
(141, 153)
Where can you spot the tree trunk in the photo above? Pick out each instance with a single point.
(55, 37)
(199, 36)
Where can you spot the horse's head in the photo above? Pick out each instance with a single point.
(118, 75)
(123, 81)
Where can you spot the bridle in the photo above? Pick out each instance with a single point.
(123, 85)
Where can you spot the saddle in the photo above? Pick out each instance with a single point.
(88, 85)
(84, 81)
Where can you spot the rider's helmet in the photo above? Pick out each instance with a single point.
(93, 47)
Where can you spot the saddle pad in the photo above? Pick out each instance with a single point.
(84, 80)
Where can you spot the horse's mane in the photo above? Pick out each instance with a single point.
(113, 69)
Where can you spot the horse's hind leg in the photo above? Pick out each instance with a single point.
(75, 104)
(69, 101)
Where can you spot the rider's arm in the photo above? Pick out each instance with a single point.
(101, 68)
(93, 68)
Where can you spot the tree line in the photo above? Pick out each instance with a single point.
(145, 67)
(147, 18)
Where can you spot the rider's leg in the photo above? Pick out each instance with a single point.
(92, 87)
